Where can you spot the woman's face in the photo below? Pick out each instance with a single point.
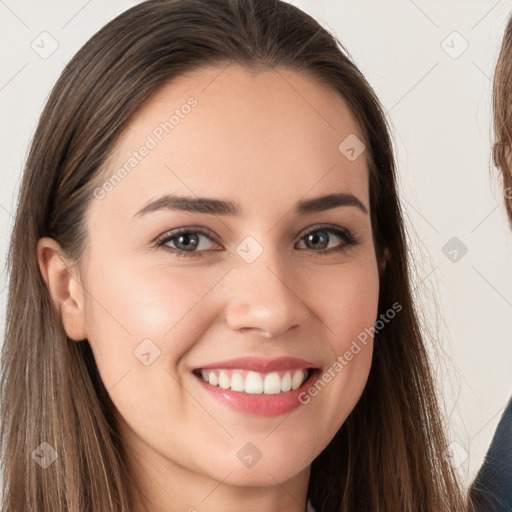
(262, 287)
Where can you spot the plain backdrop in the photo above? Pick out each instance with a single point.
(431, 65)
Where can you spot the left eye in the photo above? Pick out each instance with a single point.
(189, 242)
(320, 237)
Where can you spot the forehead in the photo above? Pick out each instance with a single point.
(227, 131)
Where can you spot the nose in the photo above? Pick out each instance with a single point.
(264, 299)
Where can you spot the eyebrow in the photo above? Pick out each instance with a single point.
(212, 206)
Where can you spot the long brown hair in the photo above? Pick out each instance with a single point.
(388, 455)
(502, 111)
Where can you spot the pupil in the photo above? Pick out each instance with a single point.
(189, 241)
(315, 238)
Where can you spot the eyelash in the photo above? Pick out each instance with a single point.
(344, 234)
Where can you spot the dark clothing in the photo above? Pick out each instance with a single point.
(492, 489)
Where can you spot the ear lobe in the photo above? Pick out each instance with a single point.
(64, 285)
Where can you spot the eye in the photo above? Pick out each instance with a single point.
(320, 236)
(187, 241)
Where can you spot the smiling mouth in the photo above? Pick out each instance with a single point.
(255, 383)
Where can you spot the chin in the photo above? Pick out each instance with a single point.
(265, 476)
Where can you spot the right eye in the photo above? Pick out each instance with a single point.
(188, 242)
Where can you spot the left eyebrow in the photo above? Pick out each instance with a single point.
(212, 206)
(322, 203)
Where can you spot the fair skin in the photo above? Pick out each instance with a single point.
(254, 140)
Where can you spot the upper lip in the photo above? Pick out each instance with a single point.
(258, 364)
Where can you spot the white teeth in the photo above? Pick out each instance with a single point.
(298, 379)
(272, 384)
(224, 381)
(237, 382)
(287, 382)
(253, 383)
(256, 383)
(212, 379)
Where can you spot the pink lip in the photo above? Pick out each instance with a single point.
(257, 364)
(260, 405)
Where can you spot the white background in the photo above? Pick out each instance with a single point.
(440, 110)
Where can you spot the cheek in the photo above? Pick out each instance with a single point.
(133, 310)
(346, 300)
(347, 303)
(141, 321)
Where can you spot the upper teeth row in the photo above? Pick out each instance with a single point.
(254, 382)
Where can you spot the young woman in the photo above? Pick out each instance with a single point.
(209, 303)
(492, 489)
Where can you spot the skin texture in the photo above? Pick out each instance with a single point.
(265, 140)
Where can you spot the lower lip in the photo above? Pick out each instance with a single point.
(261, 404)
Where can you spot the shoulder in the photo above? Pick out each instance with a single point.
(492, 488)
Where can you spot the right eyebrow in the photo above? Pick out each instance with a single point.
(190, 204)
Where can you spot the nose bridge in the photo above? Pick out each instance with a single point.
(262, 294)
